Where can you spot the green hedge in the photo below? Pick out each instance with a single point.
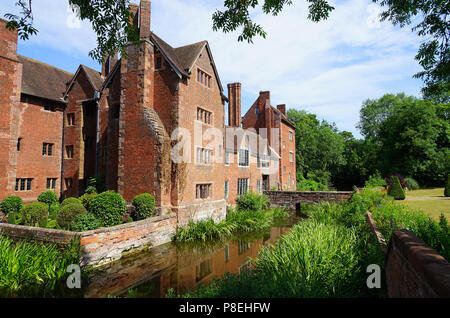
(395, 189)
(48, 197)
(11, 204)
(109, 207)
(412, 184)
(33, 214)
(252, 202)
(86, 198)
(145, 205)
(85, 222)
(68, 214)
(70, 201)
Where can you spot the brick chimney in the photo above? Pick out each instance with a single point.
(234, 105)
(145, 12)
(282, 108)
(134, 10)
(8, 41)
(264, 99)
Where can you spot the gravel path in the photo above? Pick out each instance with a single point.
(428, 198)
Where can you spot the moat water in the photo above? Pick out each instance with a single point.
(181, 267)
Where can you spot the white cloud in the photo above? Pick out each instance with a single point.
(327, 68)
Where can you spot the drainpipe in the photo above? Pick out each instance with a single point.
(97, 97)
(62, 154)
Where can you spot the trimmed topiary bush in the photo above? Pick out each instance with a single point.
(10, 204)
(395, 189)
(53, 211)
(33, 213)
(85, 222)
(145, 205)
(48, 197)
(12, 218)
(109, 207)
(86, 198)
(412, 184)
(252, 202)
(447, 187)
(70, 201)
(68, 213)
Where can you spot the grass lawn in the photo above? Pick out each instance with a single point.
(433, 208)
(425, 193)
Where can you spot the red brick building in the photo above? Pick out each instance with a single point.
(132, 122)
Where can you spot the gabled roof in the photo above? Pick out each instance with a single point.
(183, 58)
(283, 117)
(94, 78)
(189, 54)
(43, 80)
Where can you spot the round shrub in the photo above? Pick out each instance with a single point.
(11, 204)
(53, 211)
(12, 218)
(86, 198)
(48, 197)
(412, 184)
(395, 189)
(145, 205)
(252, 202)
(109, 207)
(68, 214)
(33, 213)
(85, 222)
(447, 187)
(70, 201)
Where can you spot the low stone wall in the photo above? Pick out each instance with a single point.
(413, 269)
(291, 198)
(104, 245)
(19, 232)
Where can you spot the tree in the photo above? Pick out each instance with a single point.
(395, 189)
(319, 146)
(110, 19)
(413, 137)
(374, 112)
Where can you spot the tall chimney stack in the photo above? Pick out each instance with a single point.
(234, 105)
(282, 108)
(8, 41)
(145, 12)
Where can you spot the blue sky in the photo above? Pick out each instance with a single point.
(327, 68)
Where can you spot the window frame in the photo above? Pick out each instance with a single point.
(240, 184)
(246, 162)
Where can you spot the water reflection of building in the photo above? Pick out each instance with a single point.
(152, 273)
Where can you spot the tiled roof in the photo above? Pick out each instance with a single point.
(43, 80)
(189, 53)
(94, 77)
(283, 116)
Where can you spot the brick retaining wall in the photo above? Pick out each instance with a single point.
(292, 198)
(413, 269)
(102, 245)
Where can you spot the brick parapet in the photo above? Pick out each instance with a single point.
(415, 270)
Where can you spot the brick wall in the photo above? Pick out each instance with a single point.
(415, 270)
(291, 198)
(10, 87)
(103, 245)
(38, 126)
(106, 245)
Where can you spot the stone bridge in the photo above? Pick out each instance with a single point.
(293, 199)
